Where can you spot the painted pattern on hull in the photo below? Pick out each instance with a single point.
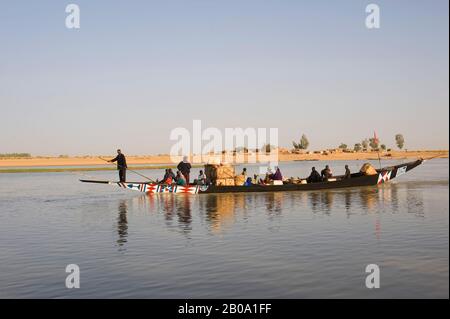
(401, 171)
(156, 188)
(384, 177)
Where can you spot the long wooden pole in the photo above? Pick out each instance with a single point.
(379, 158)
(377, 142)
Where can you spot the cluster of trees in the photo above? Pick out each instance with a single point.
(364, 145)
(266, 148)
(302, 145)
(16, 155)
(373, 143)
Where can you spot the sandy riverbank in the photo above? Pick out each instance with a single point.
(165, 159)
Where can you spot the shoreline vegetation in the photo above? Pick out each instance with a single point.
(43, 164)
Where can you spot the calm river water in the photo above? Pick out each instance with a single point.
(262, 245)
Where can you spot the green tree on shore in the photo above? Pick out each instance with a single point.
(400, 141)
(302, 145)
(365, 144)
(383, 147)
(373, 143)
(357, 147)
(343, 146)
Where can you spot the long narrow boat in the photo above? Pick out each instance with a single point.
(357, 180)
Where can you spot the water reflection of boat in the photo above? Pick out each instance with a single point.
(220, 211)
(359, 179)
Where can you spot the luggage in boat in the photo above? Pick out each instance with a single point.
(368, 169)
(225, 171)
(225, 182)
(215, 172)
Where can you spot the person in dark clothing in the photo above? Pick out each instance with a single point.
(314, 177)
(171, 174)
(185, 168)
(121, 165)
(277, 176)
(326, 173)
(166, 175)
(169, 177)
(348, 174)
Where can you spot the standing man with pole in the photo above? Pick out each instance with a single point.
(121, 165)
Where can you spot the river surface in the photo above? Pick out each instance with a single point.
(260, 245)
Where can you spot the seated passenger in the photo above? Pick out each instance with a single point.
(201, 180)
(244, 172)
(326, 173)
(172, 176)
(180, 179)
(348, 174)
(314, 177)
(169, 177)
(277, 176)
(166, 174)
(248, 182)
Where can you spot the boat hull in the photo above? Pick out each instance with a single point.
(358, 180)
(383, 175)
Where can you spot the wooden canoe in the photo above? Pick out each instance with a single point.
(383, 175)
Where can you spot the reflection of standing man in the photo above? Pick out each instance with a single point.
(122, 224)
(121, 165)
(185, 168)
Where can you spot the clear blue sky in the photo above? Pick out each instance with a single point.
(137, 69)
